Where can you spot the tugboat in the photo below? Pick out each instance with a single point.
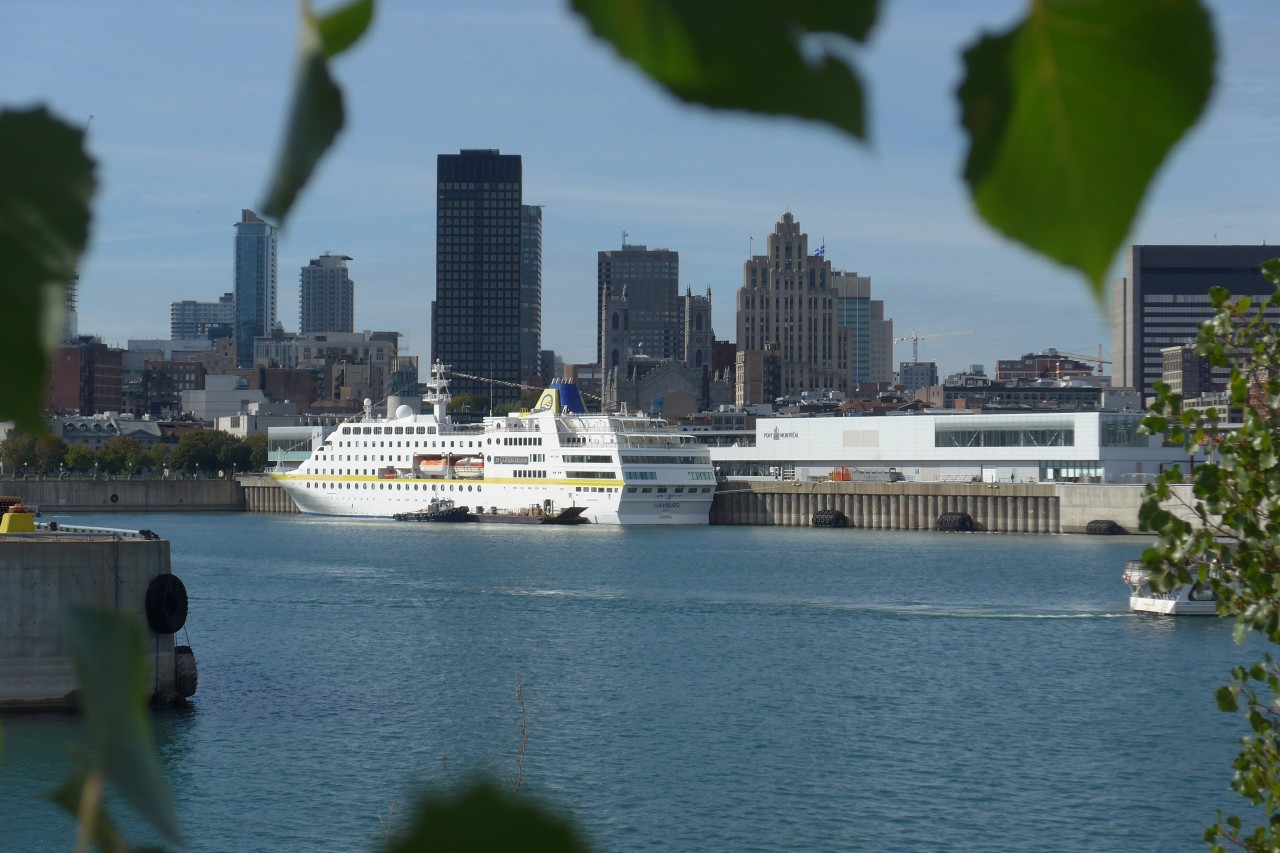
(440, 509)
(1195, 599)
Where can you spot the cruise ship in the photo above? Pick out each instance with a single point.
(621, 469)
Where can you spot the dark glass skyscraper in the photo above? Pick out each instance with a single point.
(531, 294)
(476, 316)
(255, 283)
(1164, 297)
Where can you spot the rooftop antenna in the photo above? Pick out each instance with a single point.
(625, 235)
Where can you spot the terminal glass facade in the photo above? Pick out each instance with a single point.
(950, 436)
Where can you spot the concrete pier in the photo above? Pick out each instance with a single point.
(263, 494)
(42, 572)
(994, 507)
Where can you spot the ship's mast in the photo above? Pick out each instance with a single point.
(437, 395)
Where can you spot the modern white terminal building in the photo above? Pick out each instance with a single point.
(1056, 447)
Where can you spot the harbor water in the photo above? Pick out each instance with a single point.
(726, 689)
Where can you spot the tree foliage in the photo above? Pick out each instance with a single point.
(51, 453)
(79, 458)
(114, 453)
(209, 450)
(1056, 160)
(46, 185)
(17, 451)
(1226, 533)
(257, 451)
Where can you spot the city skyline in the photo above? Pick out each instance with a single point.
(604, 151)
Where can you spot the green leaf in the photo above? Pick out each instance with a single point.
(1070, 114)
(1226, 699)
(341, 28)
(316, 115)
(760, 57)
(100, 827)
(108, 647)
(46, 185)
(485, 818)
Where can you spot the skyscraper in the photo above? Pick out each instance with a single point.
(326, 295)
(653, 326)
(871, 335)
(476, 314)
(255, 246)
(1164, 297)
(788, 299)
(531, 294)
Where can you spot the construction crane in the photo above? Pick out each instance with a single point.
(1098, 360)
(916, 339)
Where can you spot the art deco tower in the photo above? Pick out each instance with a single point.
(788, 302)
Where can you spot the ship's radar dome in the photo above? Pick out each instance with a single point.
(404, 412)
(367, 402)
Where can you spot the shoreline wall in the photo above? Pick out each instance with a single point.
(994, 507)
(119, 495)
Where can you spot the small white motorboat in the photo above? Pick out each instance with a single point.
(1195, 599)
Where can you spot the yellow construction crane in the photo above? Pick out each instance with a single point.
(916, 339)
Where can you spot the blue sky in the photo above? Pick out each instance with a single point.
(189, 100)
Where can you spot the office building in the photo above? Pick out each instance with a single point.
(914, 375)
(1164, 297)
(255, 292)
(788, 298)
(531, 294)
(86, 378)
(191, 320)
(1186, 372)
(648, 281)
(326, 295)
(359, 364)
(476, 313)
(1047, 364)
(870, 334)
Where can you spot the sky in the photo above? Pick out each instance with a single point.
(188, 103)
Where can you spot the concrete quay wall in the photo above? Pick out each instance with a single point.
(994, 507)
(42, 572)
(115, 495)
(263, 494)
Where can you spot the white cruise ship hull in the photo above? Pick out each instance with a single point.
(369, 498)
(620, 469)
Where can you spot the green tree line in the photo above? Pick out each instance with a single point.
(197, 452)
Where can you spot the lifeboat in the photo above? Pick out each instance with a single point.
(431, 466)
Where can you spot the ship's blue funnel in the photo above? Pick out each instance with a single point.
(561, 398)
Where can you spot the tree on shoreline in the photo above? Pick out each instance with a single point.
(1233, 545)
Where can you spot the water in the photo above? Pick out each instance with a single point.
(726, 689)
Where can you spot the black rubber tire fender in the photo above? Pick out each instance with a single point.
(185, 677)
(166, 604)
